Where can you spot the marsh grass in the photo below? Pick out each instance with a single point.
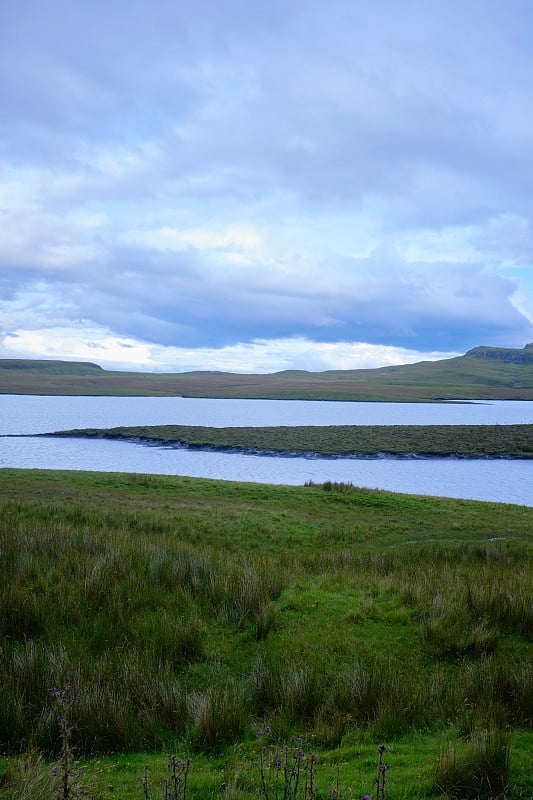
(450, 631)
(219, 715)
(186, 611)
(474, 768)
(504, 690)
(169, 638)
(288, 692)
(28, 778)
(243, 591)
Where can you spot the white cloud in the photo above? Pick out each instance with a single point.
(260, 356)
(234, 237)
(32, 238)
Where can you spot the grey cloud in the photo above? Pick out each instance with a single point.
(165, 298)
(232, 110)
(383, 98)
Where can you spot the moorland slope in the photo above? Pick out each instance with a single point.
(482, 373)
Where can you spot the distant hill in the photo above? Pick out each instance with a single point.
(51, 367)
(483, 372)
(524, 356)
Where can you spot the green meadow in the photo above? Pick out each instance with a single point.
(188, 614)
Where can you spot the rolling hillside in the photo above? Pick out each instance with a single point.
(483, 372)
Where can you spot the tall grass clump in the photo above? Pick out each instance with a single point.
(219, 715)
(468, 596)
(170, 638)
(28, 778)
(289, 690)
(510, 606)
(477, 768)
(390, 701)
(501, 689)
(451, 632)
(242, 590)
(21, 614)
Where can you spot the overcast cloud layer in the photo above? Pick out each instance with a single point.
(253, 186)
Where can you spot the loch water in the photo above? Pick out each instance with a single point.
(499, 480)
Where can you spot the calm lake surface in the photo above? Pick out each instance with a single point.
(509, 481)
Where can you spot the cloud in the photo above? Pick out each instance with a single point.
(218, 175)
(259, 356)
(196, 297)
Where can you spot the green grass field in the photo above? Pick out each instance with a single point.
(469, 440)
(187, 614)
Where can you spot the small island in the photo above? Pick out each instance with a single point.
(341, 441)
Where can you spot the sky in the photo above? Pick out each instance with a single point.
(259, 185)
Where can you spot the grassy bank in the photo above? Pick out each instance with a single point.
(185, 612)
(469, 440)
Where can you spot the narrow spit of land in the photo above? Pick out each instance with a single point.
(468, 441)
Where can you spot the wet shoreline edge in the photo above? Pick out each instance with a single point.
(273, 453)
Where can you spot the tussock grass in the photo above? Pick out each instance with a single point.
(475, 768)
(28, 778)
(220, 714)
(290, 690)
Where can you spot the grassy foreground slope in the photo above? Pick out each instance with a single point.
(185, 612)
(484, 372)
(475, 441)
